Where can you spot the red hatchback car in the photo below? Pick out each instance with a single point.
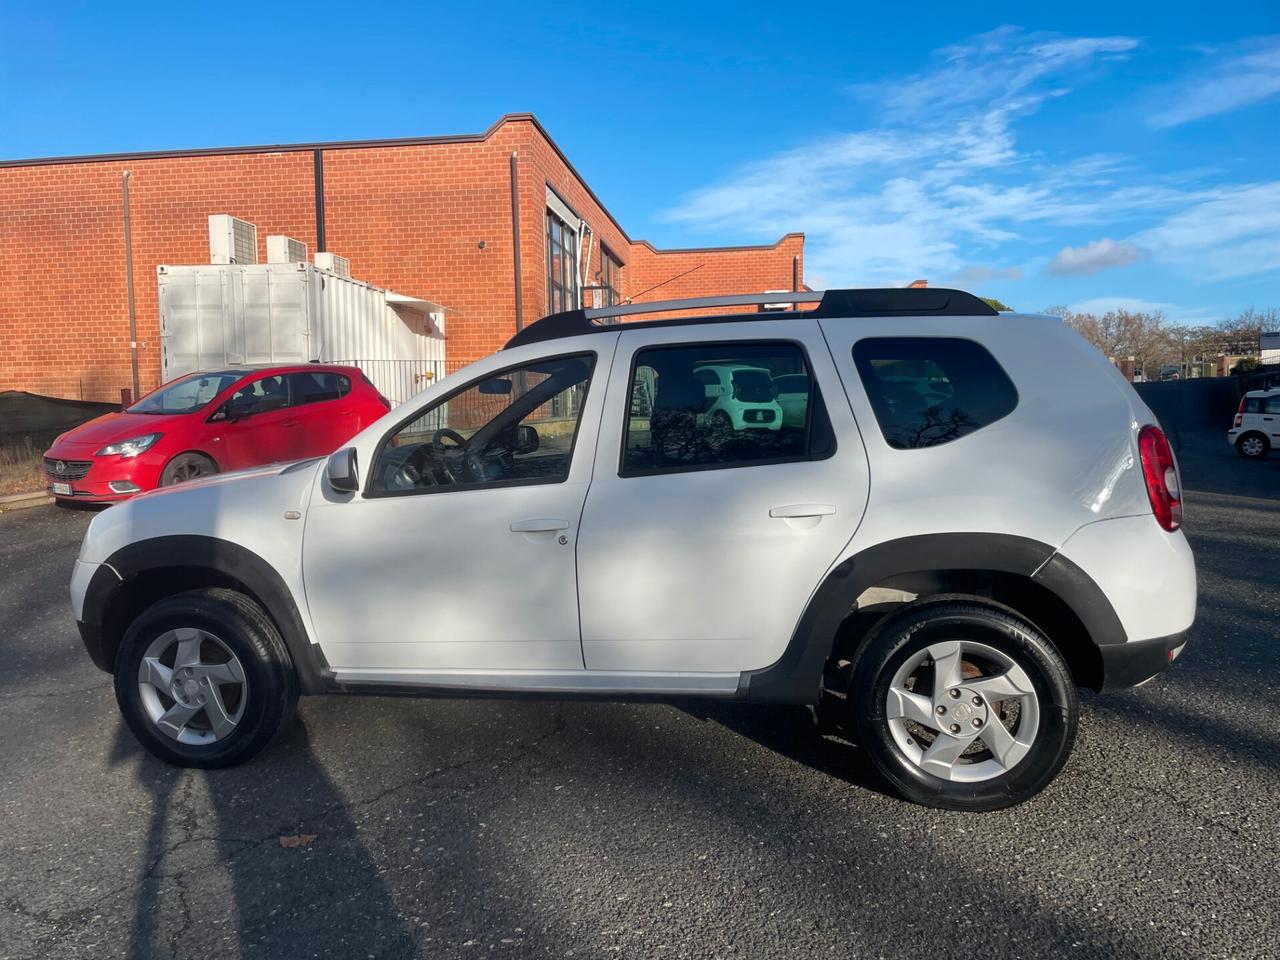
(207, 423)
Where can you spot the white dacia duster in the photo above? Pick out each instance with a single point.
(969, 515)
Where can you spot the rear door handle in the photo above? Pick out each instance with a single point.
(539, 525)
(290, 423)
(795, 511)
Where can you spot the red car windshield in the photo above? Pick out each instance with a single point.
(186, 394)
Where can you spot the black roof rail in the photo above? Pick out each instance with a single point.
(885, 302)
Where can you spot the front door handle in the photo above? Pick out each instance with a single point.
(290, 423)
(539, 525)
(796, 511)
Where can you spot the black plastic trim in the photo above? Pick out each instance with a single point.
(222, 556)
(888, 302)
(796, 676)
(1128, 664)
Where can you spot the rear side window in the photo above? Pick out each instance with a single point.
(1253, 404)
(1273, 405)
(931, 390)
(319, 386)
(714, 405)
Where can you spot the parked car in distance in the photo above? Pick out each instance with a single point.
(206, 423)
(1255, 431)
(560, 519)
(738, 396)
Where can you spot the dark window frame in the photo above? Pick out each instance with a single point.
(342, 392)
(868, 377)
(371, 493)
(563, 292)
(811, 426)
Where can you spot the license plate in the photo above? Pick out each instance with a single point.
(61, 489)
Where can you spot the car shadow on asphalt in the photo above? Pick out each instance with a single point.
(793, 732)
(260, 877)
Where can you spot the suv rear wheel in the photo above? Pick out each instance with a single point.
(204, 679)
(963, 705)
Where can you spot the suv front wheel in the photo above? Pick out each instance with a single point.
(963, 705)
(204, 679)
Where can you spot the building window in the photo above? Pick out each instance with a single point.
(607, 290)
(562, 265)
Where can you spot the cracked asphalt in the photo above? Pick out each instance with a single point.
(452, 828)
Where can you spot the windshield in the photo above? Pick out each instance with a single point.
(753, 386)
(187, 394)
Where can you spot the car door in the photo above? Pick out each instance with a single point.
(258, 424)
(701, 544)
(457, 554)
(326, 418)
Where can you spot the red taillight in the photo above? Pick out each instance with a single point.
(1239, 420)
(1240, 409)
(1161, 475)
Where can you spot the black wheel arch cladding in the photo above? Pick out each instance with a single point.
(795, 677)
(189, 560)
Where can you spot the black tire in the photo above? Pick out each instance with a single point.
(1260, 450)
(271, 683)
(187, 466)
(923, 623)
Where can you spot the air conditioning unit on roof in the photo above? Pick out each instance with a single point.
(334, 264)
(282, 249)
(232, 240)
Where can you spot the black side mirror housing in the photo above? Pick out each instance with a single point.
(341, 470)
(527, 439)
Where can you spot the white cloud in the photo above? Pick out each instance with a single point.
(1248, 73)
(942, 182)
(1092, 258)
(1230, 232)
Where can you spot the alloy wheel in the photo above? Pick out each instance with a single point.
(192, 686)
(962, 711)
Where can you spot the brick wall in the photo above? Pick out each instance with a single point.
(409, 216)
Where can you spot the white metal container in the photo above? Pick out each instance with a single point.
(214, 316)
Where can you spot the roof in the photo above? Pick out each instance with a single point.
(886, 302)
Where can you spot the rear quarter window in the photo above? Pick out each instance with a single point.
(927, 391)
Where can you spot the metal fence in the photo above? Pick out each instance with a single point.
(399, 380)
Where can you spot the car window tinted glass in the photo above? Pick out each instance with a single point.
(1272, 405)
(187, 394)
(718, 405)
(517, 426)
(318, 386)
(1253, 404)
(931, 390)
(261, 396)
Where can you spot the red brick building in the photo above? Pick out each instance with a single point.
(480, 223)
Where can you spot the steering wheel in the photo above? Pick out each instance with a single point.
(447, 456)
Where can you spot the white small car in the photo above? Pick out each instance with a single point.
(1256, 428)
(739, 397)
(965, 516)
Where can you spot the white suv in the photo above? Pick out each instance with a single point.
(1256, 427)
(973, 515)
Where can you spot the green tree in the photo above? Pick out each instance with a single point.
(995, 304)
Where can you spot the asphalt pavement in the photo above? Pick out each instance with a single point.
(390, 827)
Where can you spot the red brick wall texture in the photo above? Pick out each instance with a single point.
(409, 216)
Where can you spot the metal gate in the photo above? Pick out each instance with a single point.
(399, 380)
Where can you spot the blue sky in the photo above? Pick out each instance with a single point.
(1082, 154)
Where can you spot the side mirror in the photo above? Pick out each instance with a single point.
(527, 439)
(341, 470)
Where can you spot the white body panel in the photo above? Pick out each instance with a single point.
(1147, 573)
(688, 570)
(1265, 421)
(444, 582)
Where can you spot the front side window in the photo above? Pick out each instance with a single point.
(1273, 405)
(715, 405)
(261, 396)
(931, 390)
(513, 427)
(186, 394)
